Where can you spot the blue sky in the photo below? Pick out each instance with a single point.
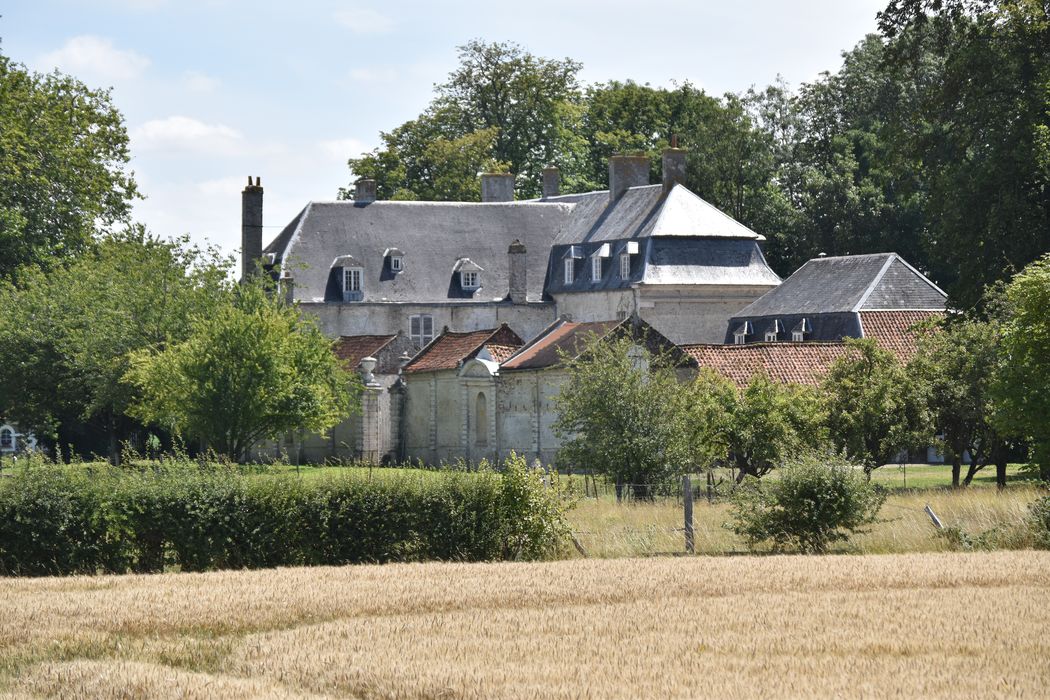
(215, 90)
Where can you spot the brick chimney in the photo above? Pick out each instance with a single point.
(364, 191)
(625, 172)
(551, 181)
(673, 165)
(497, 187)
(518, 271)
(251, 227)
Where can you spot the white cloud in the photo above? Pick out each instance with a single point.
(179, 133)
(222, 187)
(342, 149)
(95, 57)
(373, 75)
(199, 82)
(362, 20)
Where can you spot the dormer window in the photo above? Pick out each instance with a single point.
(469, 274)
(348, 277)
(742, 332)
(774, 331)
(396, 258)
(630, 248)
(569, 263)
(801, 330)
(596, 261)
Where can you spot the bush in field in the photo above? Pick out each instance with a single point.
(59, 520)
(816, 499)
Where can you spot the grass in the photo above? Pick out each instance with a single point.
(608, 529)
(929, 625)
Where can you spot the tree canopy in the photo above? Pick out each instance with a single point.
(64, 175)
(252, 368)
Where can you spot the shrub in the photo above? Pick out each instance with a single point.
(59, 520)
(816, 499)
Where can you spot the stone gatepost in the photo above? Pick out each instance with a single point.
(370, 441)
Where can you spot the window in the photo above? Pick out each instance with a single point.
(570, 271)
(771, 336)
(739, 338)
(798, 336)
(596, 268)
(625, 266)
(351, 279)
(468, 279)
(7, 439)
(421, 329)
(397, 263)
(481, 421)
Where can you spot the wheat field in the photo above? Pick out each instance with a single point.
(931, 625)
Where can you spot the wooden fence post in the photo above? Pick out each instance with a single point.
(687, 500)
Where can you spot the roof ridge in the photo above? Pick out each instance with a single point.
(875, 282)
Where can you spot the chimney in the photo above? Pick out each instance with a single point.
(365, 191)
(673, 165)
(287, 287)
(627, 171)
(497, 187)
(516, 263)
(551, 181)
(251, 227)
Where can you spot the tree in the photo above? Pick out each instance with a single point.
(501, 107)
(66, 334)
(819, 499)
(621, 414)
(756, 428)
(980, 132)
(1022, 385)
(875, 409)
(251, 369)
(63, 167)
(957, 361)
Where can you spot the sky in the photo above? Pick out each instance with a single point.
(213, 91)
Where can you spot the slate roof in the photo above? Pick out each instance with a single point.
(788, 363)
(354, 348)
(449, 350)
(433, 237)
(849, 284)
(645, 212)
(682, 240)
(895, 330)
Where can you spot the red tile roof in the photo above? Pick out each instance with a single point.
(894, 330)
(354, 348)
(449, 349)
(788, 363)
(568, 337)
(501, 352)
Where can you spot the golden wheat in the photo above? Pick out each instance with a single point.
(935, 625)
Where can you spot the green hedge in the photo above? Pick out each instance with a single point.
(58, 520)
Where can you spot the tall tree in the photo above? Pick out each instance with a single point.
(63, 167)
(982, 136)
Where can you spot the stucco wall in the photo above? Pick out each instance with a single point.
(689, 316)
(364, 318)
(527, 413)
